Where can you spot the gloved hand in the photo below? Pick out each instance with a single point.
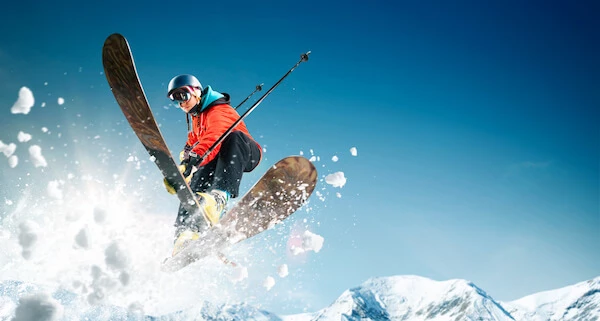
(184, 156)
(170, 188)
(185, 168)
(193, 160)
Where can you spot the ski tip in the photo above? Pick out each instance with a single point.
(116, 35)
(115, 38)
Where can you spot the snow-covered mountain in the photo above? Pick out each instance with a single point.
(577, 302)
(387, 298)
(420, 299)
(413, 298)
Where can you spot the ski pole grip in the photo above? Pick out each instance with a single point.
(195, 160)
(304, 56)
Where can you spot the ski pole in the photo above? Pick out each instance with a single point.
(258, 88)
(303, 58)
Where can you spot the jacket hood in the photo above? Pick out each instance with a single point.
(211, 97)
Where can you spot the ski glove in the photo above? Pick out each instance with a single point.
(193, 160)
(184, 156)
(170, 188)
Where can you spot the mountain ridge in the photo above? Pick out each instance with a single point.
(394, 298)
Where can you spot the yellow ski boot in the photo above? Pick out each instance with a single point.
(213, 204)
(183, 240)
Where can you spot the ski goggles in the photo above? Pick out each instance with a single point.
(182, 94)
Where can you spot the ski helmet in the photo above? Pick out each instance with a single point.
(183, 80)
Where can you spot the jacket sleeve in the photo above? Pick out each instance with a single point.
(192, 139)
(216, 122)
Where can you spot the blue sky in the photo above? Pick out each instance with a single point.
(476, 123)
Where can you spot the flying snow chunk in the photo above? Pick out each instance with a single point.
(35, 154)
(54, 189)
(353, 151)
(61, 100)
(44, 129)
(283, 271)
(23, 137)
(24, 102)
(239, 274)
(8, 150)
(82, 239)
(99, 215)
(38, 307)
(43, 104)
(269, 283)
(336, 179)
(334, 158)
(28, 237)
(310, 242)
(115, 256)
(13, 161)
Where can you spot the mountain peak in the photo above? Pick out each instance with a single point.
(580, 301)
(410, 297)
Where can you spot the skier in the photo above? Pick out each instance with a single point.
(217, 177)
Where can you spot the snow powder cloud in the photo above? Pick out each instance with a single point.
(336, 179)
(35, 154)
(54, 189)
(239, 274)
(99, 215)
(24, 102)
(6, 307)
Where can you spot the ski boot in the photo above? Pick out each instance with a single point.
(213, 204)
(184, 238)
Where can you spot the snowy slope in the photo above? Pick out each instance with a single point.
(577, 302)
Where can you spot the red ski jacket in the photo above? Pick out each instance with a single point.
(209, 125)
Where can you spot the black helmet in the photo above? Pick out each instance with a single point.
(183, 80)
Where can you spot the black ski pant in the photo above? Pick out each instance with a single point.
(238, 154)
